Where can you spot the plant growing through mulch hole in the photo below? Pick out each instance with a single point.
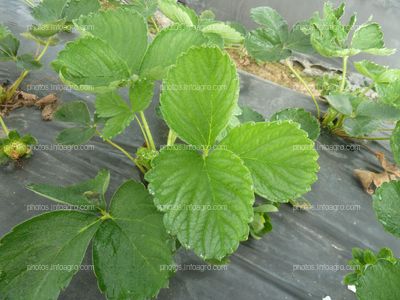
(53, 17)
(201, 184)
(377, 276)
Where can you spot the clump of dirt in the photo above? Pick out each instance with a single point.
(48, 104)
(273, 71)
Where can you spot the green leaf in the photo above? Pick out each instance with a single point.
(177, 12)
(120, 115)
(395, 143)
(9, 44)
(272, 21)
(369, 38)
(75, 112)
(380, 281)
(146, 8)
(306, 120)
(204, 79)
(229, 34)
(39, 257)
(47, 30)
(390, 93)
(130, 44)
(131, 253)
(262, 46)
(52, 10)
(28, 62)
(279, 155)
(207, 200)
(90, 64)
(85, 194)
(250, 115)
(76, 135)
(167, 46)
(360, 126)
(371, 70)
(298, 41)
(341, 102)
(141, 94)
(387, 206)
(378, 111)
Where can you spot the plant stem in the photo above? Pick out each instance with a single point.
(4, 126)
(143, 132)
(155, 24)
(289, 64)
(171, 138)
(126, 153)
(343, 84)
(368, 138)
(13, 88)
(148, 132)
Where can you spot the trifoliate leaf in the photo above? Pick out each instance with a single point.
(395, 143)
(279, 155)
(380, 281)
(204, 79)
(9, 44)
(90, 64)
(131, 253)
(39, 257)
(369, 38)
(123, 29)
(387, 206)
(306, 120)
(341, 102)
(167, 46)
(140, 94)
(228, 34)
(75, 112)
(86, 195)
(76, 135)
(207, 200)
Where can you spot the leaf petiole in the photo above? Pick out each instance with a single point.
(343, 84)
(289, 64)
(4, 126)
(147, 131)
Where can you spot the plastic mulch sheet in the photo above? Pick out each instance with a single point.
(305, 255)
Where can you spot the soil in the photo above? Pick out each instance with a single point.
(273, 71)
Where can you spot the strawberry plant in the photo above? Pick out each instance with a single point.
(201, 184)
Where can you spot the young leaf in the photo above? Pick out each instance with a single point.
(207, 200)
(90, 64)
(395, 143)
(131, 253)
(279, 155)
(387, 206)
(86, 194)
(178, 12)
(380, 281)
(9, 44)
(341, 102)
(130, 44)
(167, 46)
(306, 120)
(228, 34)
(36, 256)
(120, 115)
(204, 79)
(369, 38)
